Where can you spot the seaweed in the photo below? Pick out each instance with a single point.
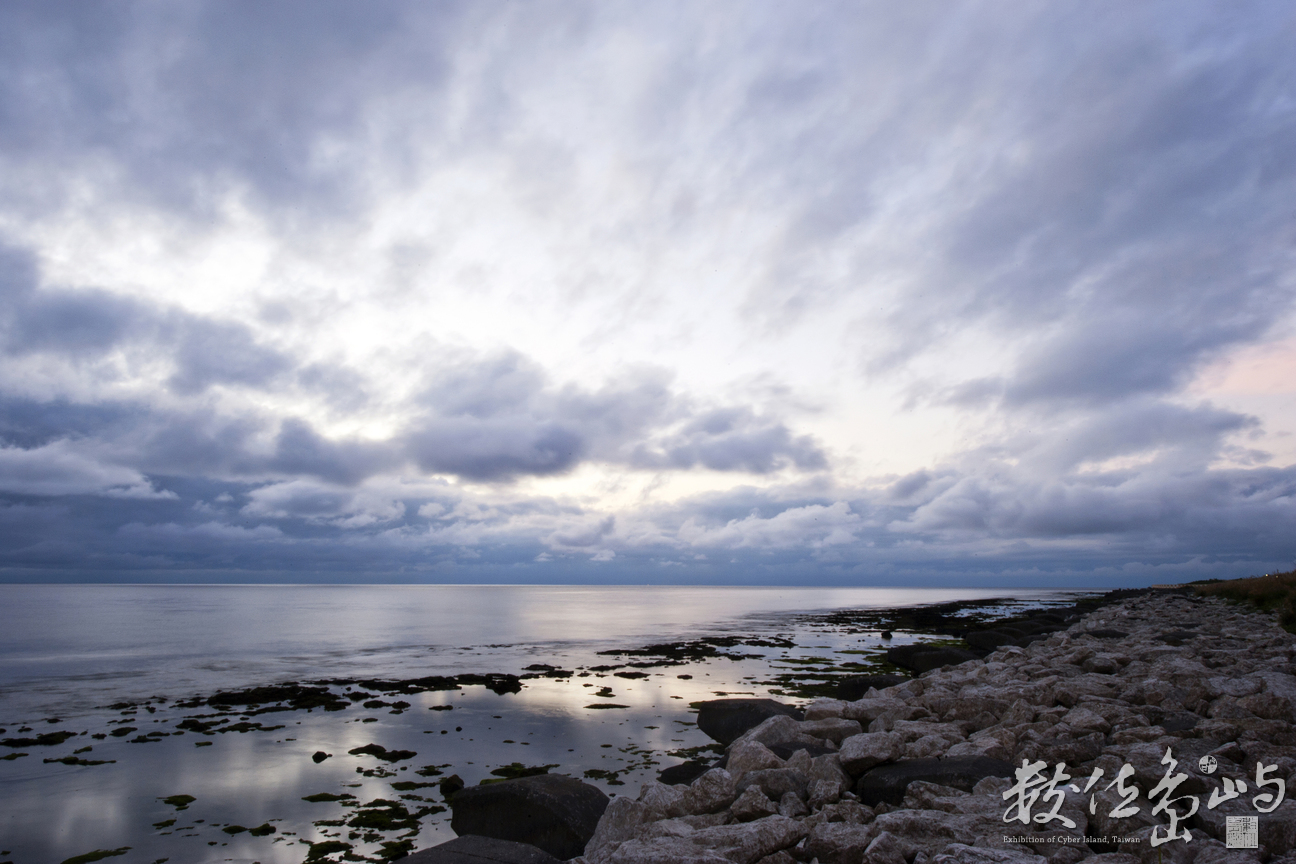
(180, 802)
(318, 851)
(47, 739)
(612, 778)
(73, 760)
(516, 769)
(497, 682)
(296, 696)
(382, 814)
(382, 753)
(395, 849)
(431, 770)
(97, 855)
(319, 797)
(247, 727)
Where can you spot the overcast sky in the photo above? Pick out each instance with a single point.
(742, 292)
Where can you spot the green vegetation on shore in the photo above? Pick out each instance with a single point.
(1272, 592)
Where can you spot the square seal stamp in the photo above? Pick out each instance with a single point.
(1242, 832)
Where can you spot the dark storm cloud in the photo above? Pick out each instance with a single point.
(495, 418)
(732, 439)
(183, 98)
(484, 417)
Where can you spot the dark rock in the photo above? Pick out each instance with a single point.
(296, 696)
(924, 658)
(683, 775)
(888, 782)
(382, 753)
(320, 756)
(554, 812)
(1177, 637)
(1178, 722)
(988, 640)
(1107, 633)
(725, 719)
(475, 849)
(854, 687)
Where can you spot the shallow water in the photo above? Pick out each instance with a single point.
(67, 652)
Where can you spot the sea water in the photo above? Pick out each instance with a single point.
(69, 652)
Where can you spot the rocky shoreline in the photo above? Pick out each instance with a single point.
(1195, 696)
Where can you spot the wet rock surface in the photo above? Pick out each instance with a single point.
(474, 849)
(726, 719)
(923, 770)
(552, 812)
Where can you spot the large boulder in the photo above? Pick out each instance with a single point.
(889, 782)
(854, 687)
(923, 658)
(554, 812)
(683, 774)
(726, 719)
(838, 842)
(859, 753)
(475, 849)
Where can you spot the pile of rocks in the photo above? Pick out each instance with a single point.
(921, 772)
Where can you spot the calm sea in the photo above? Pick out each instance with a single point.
(69, 651)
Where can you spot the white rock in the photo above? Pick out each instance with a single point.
(713, 791)
(752, 804)
(619, 822)
(861, 752)
(749, 755)
(823, 709)
(832, 729)
(661, 801)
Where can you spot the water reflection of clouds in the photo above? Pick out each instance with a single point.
(55, 811)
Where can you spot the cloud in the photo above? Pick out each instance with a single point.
(732, 439)
(345, 507)
(465, 289)
(811, 527)
(269, 100)
(59, 469)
